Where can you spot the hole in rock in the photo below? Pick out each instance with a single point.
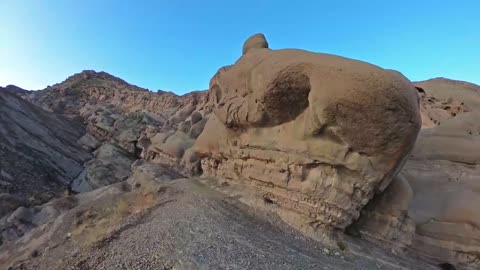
(268, 200)
(446, 266)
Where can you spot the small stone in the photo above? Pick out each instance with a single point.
(326, 251)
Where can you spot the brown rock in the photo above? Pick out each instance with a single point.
(385, 219)
(443, 172)
(257, 41)
(316, 134)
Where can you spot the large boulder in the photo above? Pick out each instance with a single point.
(314, 133)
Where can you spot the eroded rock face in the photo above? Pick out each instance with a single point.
(435, 111)
(386, 220)
(444, 173)
(111, 165)
(99, 88)
(39, 154)
(316, 134)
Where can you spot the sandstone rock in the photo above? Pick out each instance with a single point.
(446, 89)
(385, 219)
(175, 145)
(197, 128)
(435, 111)
(316, 134)
(257, 41)
(184, 126)
(173, 149)
(456, 140)
(145, 173)
(443, 172)
(195, 117)
(103, 89)
(110, 165)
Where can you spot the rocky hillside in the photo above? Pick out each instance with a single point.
(318, 161)
(12, 89)
(102, 89)
(39, 156)
(447, 89)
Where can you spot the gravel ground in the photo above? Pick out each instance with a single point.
(194, 227)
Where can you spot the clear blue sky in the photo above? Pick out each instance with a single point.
(178, 45)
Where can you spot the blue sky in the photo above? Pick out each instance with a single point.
(178, 45)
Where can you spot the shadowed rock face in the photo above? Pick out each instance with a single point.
(316, 134)
(39, 155)
(12, 89)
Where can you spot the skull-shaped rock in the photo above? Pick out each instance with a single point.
(316, 134)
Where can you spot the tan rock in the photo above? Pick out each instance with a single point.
(257, 41)
(317, 134)
(385, 219)
(443, 172)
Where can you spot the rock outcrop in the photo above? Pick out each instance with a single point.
(13, 89)
(432, 212)
(316, 134)
(444, 173)
(128, 116)
(90, 88)
(435, 111)
(39, 156)
(110, 165)
(447, 89)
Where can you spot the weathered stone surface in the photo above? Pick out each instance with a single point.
(102, 89)
(174, 150)
(316, 134)
(39, 154)
(257, 41)
(385, 219)
(110, 165)
(444, 173)
(89, 142)
(446, 89)
(435, 111)
(9, 202)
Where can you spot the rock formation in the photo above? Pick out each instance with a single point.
(316, 134)
(39, 155)
(444, 173)
(102, 89)
(13, 89)
(436, 202)
(435, 111)
(321, 142)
